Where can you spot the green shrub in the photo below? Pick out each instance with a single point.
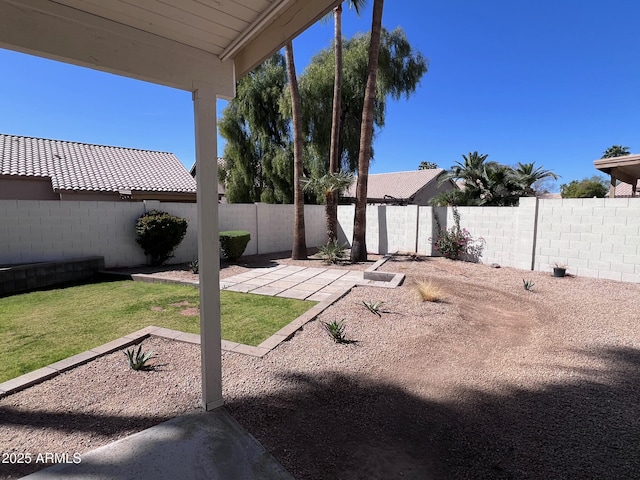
(159, 233)
(233, 243)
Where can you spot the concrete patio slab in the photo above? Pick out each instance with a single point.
(195, 446)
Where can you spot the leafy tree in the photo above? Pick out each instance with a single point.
(358, 245)
(258, 153)
(586, 188)
(399, 73)
(400, 70)
(427, 165)
(299, 250)
(616, 151)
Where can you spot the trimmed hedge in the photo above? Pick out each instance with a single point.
(233, 243)
(159, 233)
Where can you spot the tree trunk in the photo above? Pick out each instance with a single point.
(334, 155)
(299, 250)
(332, 221)
(359, 246)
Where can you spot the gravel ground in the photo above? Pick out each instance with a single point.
(491, 382)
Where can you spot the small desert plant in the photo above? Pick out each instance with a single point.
(374, 308)
(233, 243)
(194, 267)
(159, 233)
(335, 330)
(428, 291)
(331, 253)
(528, 284)
(137, 358)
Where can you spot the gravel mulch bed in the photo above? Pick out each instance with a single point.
(491, 382)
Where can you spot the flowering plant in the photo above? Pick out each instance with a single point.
(457, 242)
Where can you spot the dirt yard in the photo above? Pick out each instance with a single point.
(492, 382)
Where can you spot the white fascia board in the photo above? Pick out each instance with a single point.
(268, 34)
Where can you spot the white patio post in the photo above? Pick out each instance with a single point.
(208, 256)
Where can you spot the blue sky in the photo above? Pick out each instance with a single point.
(551, 82)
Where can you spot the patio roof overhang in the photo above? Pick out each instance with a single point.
(626, 169)
(201, 46)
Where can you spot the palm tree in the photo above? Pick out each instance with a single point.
(358, 245)
(528, 175)
(499, 186)
(471, 171)
(616, 151)
(334, 153)
(330, 185)
(299, 250)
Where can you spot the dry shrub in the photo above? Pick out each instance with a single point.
(428, 291)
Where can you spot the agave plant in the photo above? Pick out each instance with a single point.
(335, 330)
(137, 358)
(374, 307)
(332, 253)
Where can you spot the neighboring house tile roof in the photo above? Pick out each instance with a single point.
(400, 185)
(84, 167)
(221, 164)
(624, 189)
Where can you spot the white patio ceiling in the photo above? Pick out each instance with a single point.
(172, 42)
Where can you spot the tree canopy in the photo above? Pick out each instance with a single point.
(427, 165)
(586, 188)
(256, 124)
(616, 151)
(400, 70)
(490, 183)
(258, 153)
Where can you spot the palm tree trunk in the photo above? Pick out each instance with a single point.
(358, 246)
(299, 250)
(332, 221)
(332, 207)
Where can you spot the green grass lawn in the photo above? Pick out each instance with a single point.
(40, 328)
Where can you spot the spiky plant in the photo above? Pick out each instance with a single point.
(335, 330)
(374, 307)
(528, 284)
(137, 358)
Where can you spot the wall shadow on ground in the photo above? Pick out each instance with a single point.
(337, 426)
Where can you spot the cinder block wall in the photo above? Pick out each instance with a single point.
(508, 232)
(43, 231)
(595, 237)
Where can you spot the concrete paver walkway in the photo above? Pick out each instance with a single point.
(304, 283)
